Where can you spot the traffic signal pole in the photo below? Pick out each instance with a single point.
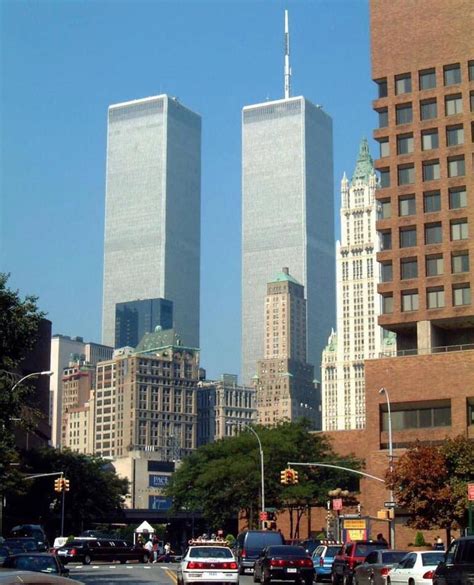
(63, 499)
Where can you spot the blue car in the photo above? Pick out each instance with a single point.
(323, 557)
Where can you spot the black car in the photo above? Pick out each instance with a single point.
(457, 567)
(5, 552)
(249, 545)
(22, 544)
(87, 550)
(37, 562)
(34, 531)
(284, 563)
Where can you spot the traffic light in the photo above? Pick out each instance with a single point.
(283, 477)
(66, 485)
(58, 485)
(295, 476)
(289, 476)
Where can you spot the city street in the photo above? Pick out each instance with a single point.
(117, 574)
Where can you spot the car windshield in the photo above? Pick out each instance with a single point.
(262, 539)
(362, 550)
(431, 558)
(392, 557)
(333, 550)
(38, 564)
(210, 552)
(286, 551)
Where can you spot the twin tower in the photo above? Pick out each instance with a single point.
(153, 214)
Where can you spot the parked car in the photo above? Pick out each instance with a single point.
(416, 568)
(12, 576)
(350, 555)
(210, 563)
(87, 550)
(283, 563)
(23, 544)
(36, 562)
(323, 558)
(457, 567)
(31, 531)
(310, 544)
(250, 543)
(5, 552)
(376, 567)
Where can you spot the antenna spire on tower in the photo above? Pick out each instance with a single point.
(287, 59)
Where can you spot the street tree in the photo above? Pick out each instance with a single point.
(430, 482)
(96, 493)
(223, 479)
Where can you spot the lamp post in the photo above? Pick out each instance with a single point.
(390, 458)
(45, 373)
(262, 470)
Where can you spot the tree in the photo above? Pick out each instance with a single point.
(430, 482)
(96, 492)
(223, 479)
(19, 325)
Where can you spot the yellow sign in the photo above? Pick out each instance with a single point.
(356, 524)
(356, 534)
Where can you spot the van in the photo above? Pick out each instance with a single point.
(250, 543)
(31, 531)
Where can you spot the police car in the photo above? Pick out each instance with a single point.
(208, 561)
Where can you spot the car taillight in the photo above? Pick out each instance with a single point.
(384, 571)
(428, 575)
(210, 565)
(244, 553)
(278, 563)
(73, 552)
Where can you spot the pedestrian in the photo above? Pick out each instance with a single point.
(438, 544)
(149, 548)
(167, 552)
(381, 538)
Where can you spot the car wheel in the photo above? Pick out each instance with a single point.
(122, 561)
(334, 578)
(87, 560)
(411, 582)
(241, 570)
(265, 579)
(255, 578)
(308, 581)
(388, 581)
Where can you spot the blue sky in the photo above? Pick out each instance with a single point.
(64, 62)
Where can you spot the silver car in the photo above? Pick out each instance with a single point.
(375, 568)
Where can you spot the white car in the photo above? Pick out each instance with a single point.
(416, 568)
(209, 563)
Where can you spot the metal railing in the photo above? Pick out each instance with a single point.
(427, 350)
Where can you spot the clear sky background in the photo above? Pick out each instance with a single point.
(63, 62)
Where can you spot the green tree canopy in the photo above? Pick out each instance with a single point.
(223, 478)
(96, 492)
(430, 482)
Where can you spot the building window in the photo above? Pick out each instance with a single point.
(429, 139)
(407, 206)
(457, 198)
(383, 117)
(384, 147)
(431, 201)
(406, 175)
(382, 89)
(404, 114)
(459, 229)
(453, 105)
(387, 304)
(386, 272)
(471, 70)
(427, 79)
(456, 167)
(386, 240)
(433, 233)
(430, 170)
(384, 175)
(435, 298)
(460, 262)
(452, 74)
(471, 99)
(434, 265)
(410, 300)
(409, 268)
(402, 84)
(417, 418)
(454, 135)
(461, 294)
(428, 109)
(405, 144)
(407, 237)
(385, 209)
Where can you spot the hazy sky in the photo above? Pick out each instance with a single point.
(63, 63)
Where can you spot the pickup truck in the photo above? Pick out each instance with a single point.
(458, 565)
(352, 553)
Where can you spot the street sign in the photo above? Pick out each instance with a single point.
(337, 504)
(470, 491)
(390, 504)
(263, 516)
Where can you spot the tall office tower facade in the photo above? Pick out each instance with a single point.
(78, 381)
(358, 335)
(135, 318)
(223, 406)
(146, 400)
(153, 210)
(284, 382)
(287, 217)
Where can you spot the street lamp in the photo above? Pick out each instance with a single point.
(45, 373)
(390, 458)
(262, 472)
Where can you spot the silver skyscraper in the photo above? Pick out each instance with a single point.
(152, 215)
(288, 218)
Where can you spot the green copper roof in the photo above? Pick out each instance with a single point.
(285, 277)
(365, 165)
(158, 339)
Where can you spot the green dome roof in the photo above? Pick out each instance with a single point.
(285, 276)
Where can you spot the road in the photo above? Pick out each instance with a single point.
(130, 574)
